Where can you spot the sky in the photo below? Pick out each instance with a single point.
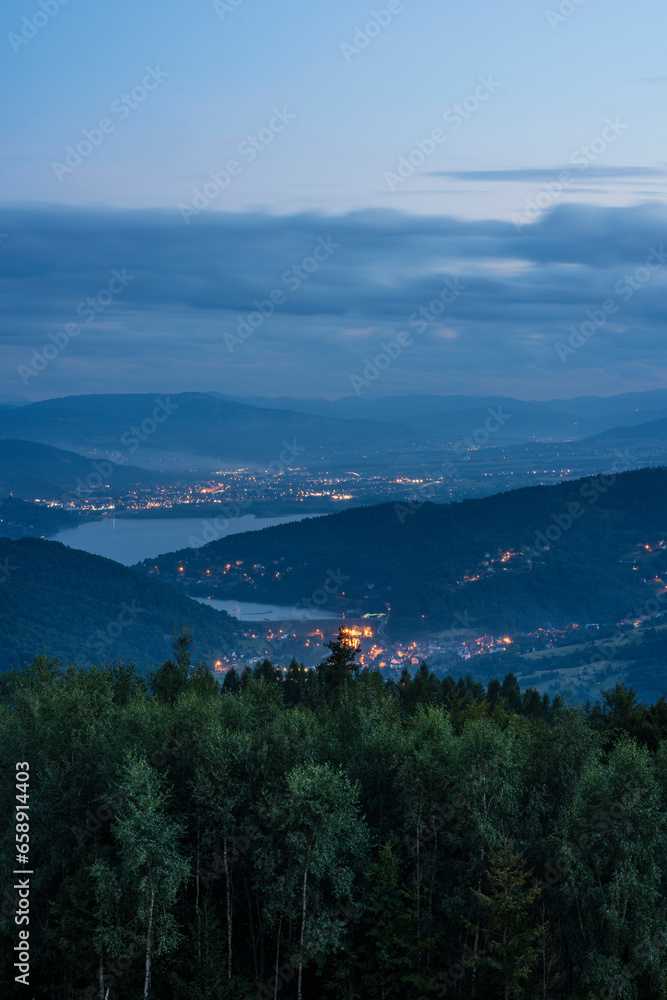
(316, 199)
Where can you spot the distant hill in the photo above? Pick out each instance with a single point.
(201, 426)
(212, 430)
(29, 470)
(437, 566)
(20, 518)
(640, 445)
(555, 419)
(70, 604)
(652, 434)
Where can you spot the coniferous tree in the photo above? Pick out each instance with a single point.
(340, 665)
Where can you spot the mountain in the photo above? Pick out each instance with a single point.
(389, 408)
(208, 430)
(32, 470)
(70, 604)
(447, 417)
(545, 420)
(200, 426)
(651, 435)
(534, 557)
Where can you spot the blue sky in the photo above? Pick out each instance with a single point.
(488, 143)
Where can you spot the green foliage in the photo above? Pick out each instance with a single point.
(509, 935)
(368, 840)
(60, 602)
(385, 961)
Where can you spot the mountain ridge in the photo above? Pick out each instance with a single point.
(430, 563)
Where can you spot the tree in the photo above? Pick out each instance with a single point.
(614, 848)
(325, 836)
(170, 680)
(232, 683)
(511, 951)
(340, 664)
(394, 944)
(493, 692)
(532, 704)
(487, 769)
(202, 681)
(113, 939)
(77, 933)
(220, 793)
(510, 692)
(294, 682)
(426, 686)
(622, 712)
(152, 869)
(265, 670)
(385, 962)
(406, 690)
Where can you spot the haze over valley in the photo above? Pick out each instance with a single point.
(333, 481)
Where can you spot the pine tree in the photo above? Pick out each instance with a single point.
(170, 680)
(340, 664)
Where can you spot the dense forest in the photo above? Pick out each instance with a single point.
(327, 833)
(81, 607)
(574, 548)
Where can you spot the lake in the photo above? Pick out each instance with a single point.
(130, 540)
(246, 611)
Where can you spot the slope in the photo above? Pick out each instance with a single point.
(70, 604)
(538, 556)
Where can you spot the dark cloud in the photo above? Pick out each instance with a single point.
(191, 284)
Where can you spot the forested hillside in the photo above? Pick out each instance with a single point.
(65, 603)
(326, 836)
(29, 470)
(536, 557)
(20, 518)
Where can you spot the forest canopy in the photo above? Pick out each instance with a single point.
(328, 833)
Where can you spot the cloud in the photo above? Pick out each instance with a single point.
(537, 174)
(193, 284)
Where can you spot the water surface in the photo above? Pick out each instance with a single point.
(246, 611)
(130, 540)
